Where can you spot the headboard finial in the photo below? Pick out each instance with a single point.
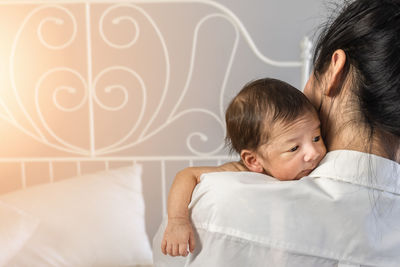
(306, 56)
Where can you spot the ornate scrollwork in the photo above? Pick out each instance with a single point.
(59, 22)
(118, 21)
(94, 92)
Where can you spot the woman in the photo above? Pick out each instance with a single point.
(346, 212)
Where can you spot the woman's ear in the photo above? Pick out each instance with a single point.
(335, 71)
(251, 160)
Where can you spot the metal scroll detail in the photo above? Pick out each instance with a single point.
(93, 83)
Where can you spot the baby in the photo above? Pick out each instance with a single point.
(275, 130)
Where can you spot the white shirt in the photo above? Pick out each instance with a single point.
(345, 213)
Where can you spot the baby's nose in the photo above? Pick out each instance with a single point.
(311, 154)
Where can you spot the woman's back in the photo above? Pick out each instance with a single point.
(335, 217)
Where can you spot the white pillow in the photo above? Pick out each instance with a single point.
(15, 228)
(91, 220)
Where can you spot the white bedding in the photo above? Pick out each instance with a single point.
(16, 227)
(90, 220)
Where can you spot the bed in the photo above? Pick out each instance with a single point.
(101, 103)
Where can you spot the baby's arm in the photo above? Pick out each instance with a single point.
(179, 231)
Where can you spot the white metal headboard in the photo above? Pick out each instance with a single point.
(88, 23)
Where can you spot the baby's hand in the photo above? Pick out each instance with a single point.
(177, 236)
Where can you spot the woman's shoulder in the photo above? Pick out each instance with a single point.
(360, 169)
(325, 214)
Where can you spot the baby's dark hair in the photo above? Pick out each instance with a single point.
(257, 107)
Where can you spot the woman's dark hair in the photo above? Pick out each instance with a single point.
(257, 107)
(368, 31)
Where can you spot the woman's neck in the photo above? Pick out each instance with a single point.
(355, 136)
(344, 126)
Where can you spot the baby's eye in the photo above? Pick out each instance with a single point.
(293, 149)
(316, 139)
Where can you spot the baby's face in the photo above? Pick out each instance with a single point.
(294, 149)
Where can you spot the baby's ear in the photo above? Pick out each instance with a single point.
(250, 159)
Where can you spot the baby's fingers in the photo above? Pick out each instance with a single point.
(164, 247)
(169, 249)
(175, 250)
(183, 250)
